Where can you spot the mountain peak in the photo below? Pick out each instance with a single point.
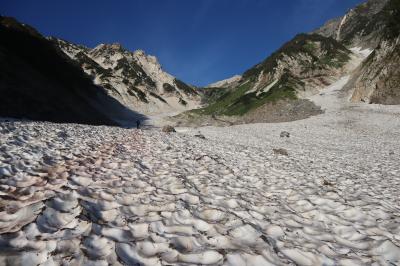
(139, 52)
(360, 26)
(133, 78)
(12, 23)
(115, 46)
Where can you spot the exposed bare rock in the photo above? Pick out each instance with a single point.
(226, 83)
(360, 26)
(31, 87)
(283, 152)
(284, 134)
(168, 129)
(134, 78)
(378, 79)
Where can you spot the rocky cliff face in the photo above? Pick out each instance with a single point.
(375, 25)
(133, 78)
(378, 79)
(360, 26)
(38, 81)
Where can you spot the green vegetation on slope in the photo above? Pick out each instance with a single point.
(392, 14)
(239, 101)
(212, 94)
(185, 88)
(283, 89)
(317, 53)
(306, 44)
(157, 97)
(386, 23)
(168, 88)
(223, 102)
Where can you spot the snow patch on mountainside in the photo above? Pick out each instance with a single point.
(340, 27)
(329, 97)
(364, 53)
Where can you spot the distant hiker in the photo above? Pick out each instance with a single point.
(137, 124)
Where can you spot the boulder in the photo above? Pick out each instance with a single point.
(281, 152)
(285, 134)
(168, 129)
(201, 136)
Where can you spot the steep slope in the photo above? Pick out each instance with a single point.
(376, 25)
(133, 78)
(37, 81)
(360, 26)
(275, 90)
(279, 83)
(212, 92)
(378, 79)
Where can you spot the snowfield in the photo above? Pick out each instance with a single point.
(75, 194)
(329, 194)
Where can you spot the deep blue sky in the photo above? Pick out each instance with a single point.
(199, 41)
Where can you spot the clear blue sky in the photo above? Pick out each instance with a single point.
(199, 41)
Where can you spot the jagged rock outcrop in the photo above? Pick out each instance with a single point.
(133, 78)
(37, 81)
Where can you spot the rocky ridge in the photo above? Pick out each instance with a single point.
(134, 78)
(38, 81)
(226, 83)
(360, 27)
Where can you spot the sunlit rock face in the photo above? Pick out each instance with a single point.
(134, 78)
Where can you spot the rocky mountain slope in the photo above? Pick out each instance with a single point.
(279, 84)
(360, 26)
(37, 81)
(133, 78)
(277, 88)
(375, 25)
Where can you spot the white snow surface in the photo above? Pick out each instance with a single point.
(85, 195)
(340, 27)
(364, 53)
(76, 194)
